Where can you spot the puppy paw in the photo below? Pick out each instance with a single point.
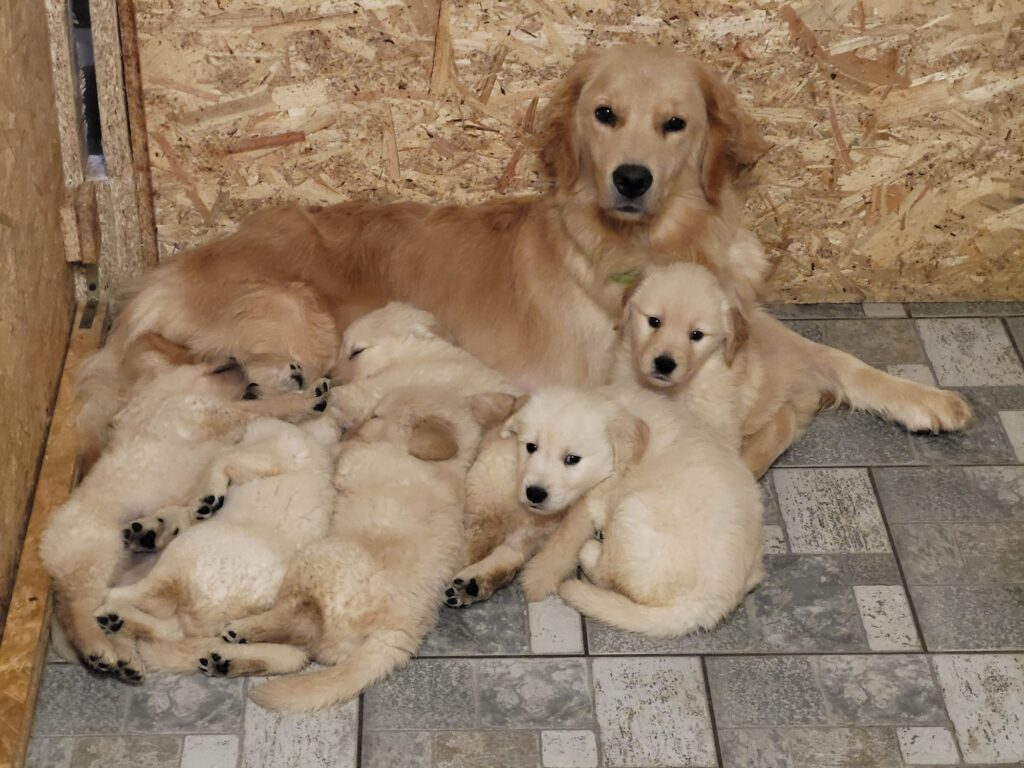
(232, 636)
(215, 665)
(209, 505)
(321, 388)
(100, 660)
(295, 375)
(109, 622)
(252, 391)
(537, 586)
(463, 592)
(128, 672)
(147, 534)
(941, 411)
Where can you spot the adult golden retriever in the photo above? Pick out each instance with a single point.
(648, 151)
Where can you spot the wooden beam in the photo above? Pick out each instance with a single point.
(23, 647)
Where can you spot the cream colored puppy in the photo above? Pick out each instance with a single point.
(179, 418)
(364, 597)
(681, 525)
(755, 380)
(280, 499)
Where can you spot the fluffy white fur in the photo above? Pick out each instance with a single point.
(363, 598)
(278, 497)
(681, 521)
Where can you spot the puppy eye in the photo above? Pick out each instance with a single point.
(356, 353)
(571, 459)
(654, 322)
(696, 335)
(531, 447)
(605, 115)
(673, 125)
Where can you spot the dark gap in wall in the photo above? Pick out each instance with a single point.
(81, 33)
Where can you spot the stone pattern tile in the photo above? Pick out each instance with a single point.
(882, 548)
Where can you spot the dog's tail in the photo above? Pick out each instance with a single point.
(175, 655)
(619, 611)
(918, 407)
(380, 654)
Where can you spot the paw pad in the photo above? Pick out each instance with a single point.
(209, 506)
(110, 623)
(295, 373)
(252, 391)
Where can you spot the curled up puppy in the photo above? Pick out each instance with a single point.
(180, 415)
(679, 541)
(364, 598)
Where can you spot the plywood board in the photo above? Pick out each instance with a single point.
(895, 173)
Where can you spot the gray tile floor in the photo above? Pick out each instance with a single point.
(888, 632)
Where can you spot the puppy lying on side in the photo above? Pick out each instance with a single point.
(178, 419)
(280, 499)
(755, 380)
(364, 598)
(681, 542)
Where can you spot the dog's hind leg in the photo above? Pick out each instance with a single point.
(227, 660)
(761, 449)
(126, 620)
(917, 407)
(156, 531)
(237, 465)
(286, 622)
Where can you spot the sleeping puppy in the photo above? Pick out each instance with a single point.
(280, 499)
(363, 598)
(680, 540)
(162, 441)
(755, 380)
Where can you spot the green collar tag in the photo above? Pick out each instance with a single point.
(626, 278)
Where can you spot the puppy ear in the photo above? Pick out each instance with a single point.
(489, 408)
(150, 352)
(734, 143)
(433, 439)
(560, 151)
(629, 436)
(737, 332)
(511, 427)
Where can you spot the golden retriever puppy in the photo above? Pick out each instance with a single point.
(363, 598)
(532, 286)
(162, 442)
(280, 499)
(756, 380)
(681, 529)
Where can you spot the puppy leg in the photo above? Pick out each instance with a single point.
(290, 406)
(285, 623)
(917, 407)
(481, 580)
(560, 553)
(259, 659)
(124, 619)
(239, 465)
(156, 531)
(761, 449)
(590, 561)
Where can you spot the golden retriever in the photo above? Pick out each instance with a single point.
(648, 151)
(758, 382)
(680, 528)
(364, 597)
(163, 440)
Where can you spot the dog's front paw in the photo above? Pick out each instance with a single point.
(252, 391)
(321, 388)
(941, 411)
(463, 592)
(232, 636)
(109, 621)
(296, 376)
(215, 665)
(147, 534)
(209, 506)
(536, 586)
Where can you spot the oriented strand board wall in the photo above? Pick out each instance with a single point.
(897, 170)
(35, 293)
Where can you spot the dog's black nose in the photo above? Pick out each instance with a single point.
(632, 180)
(535, 494)
(664, 364)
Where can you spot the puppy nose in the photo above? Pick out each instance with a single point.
(632, 180)
(664, 364)
(535, 494)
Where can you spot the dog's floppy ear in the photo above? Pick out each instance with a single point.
(734, 143)
(433, 439)
(511, 426)
(489, 408)
(737, 331)
(561, 151)
(629, 436)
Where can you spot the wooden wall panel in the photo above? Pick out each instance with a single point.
(896, 168)
(36, 302)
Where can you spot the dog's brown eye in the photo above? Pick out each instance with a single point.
(571, 459)
(605, 115)
(531, 447)
(674, 124)
(696, 335)
(654, 322)
(356, 353)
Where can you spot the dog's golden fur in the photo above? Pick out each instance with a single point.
(525, 284)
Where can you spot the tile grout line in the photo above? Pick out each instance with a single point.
(711, 712)
(1013, 339)
(899, 564)
(360, 706)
